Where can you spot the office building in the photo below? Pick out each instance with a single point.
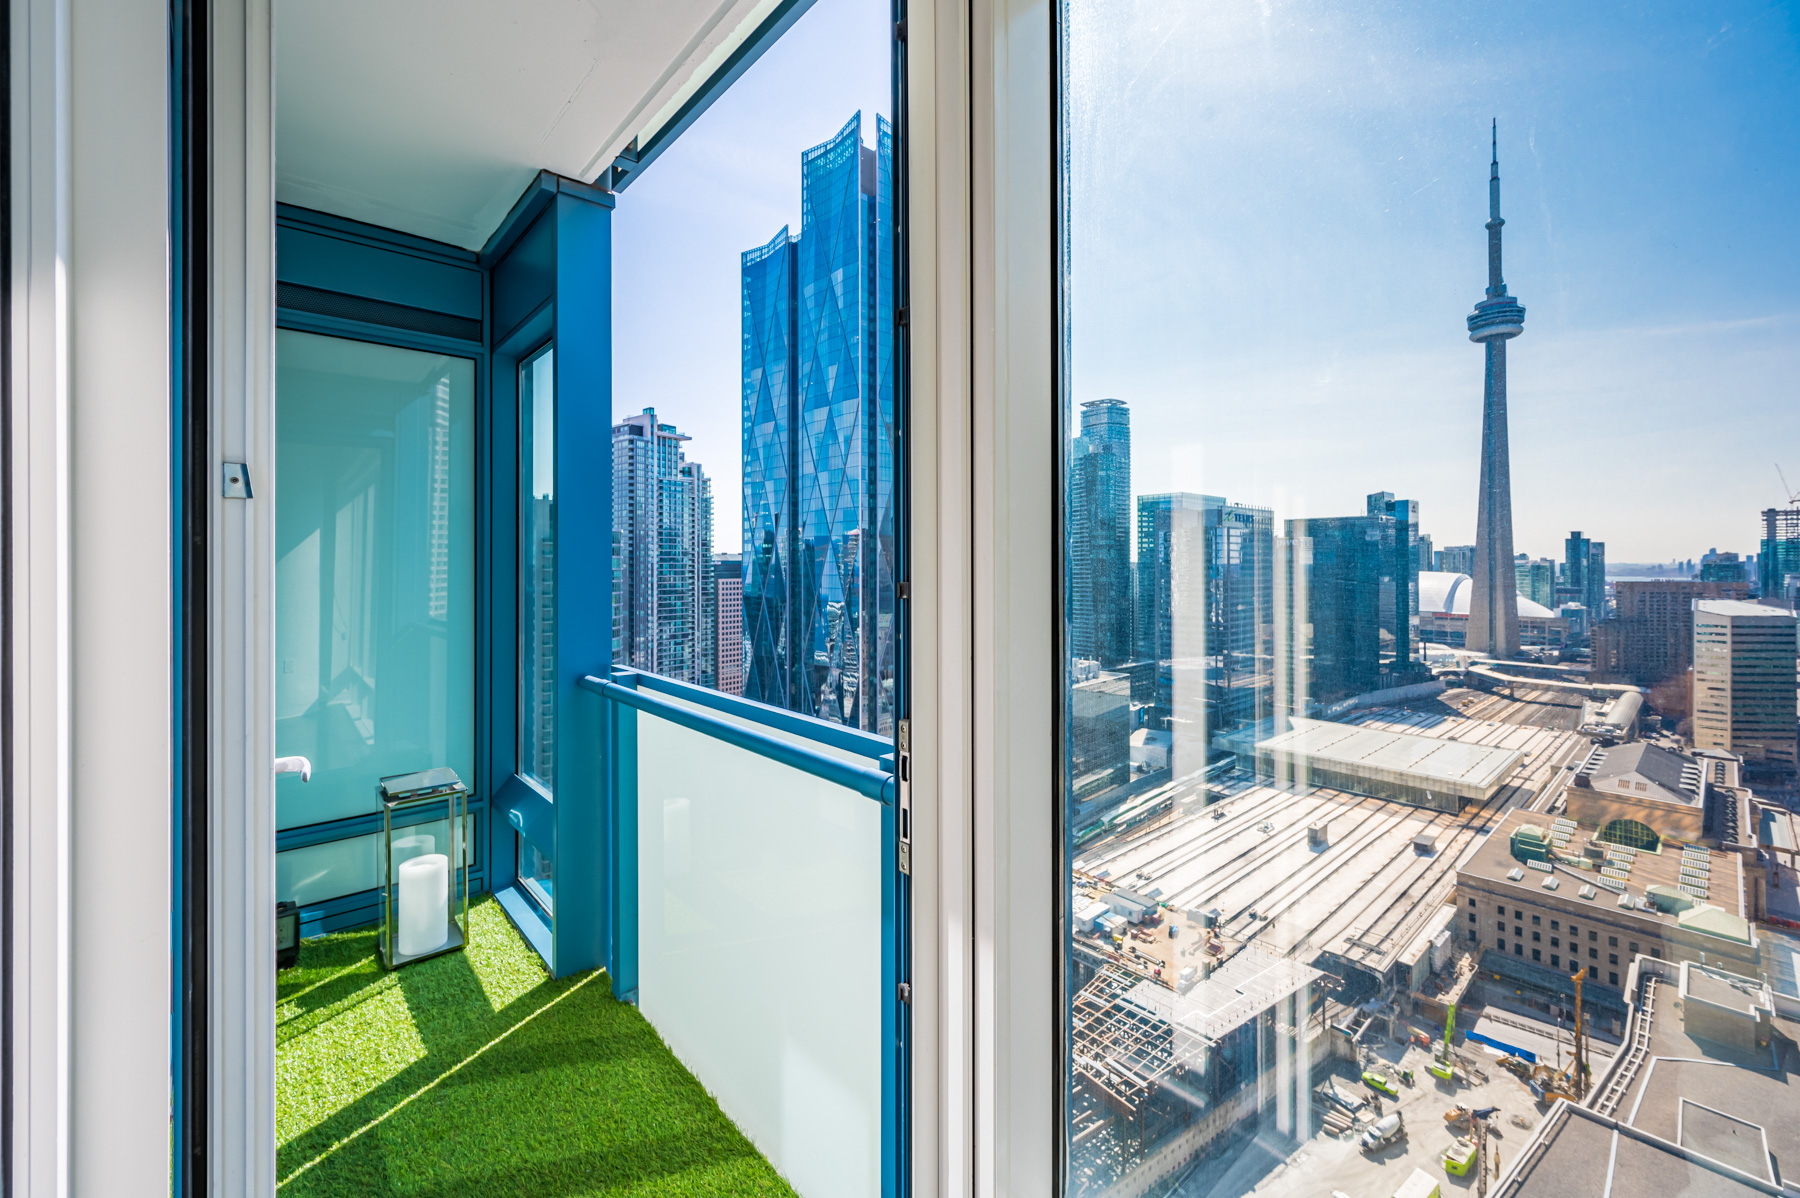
(1354, 580)
(1723, 567)
(1427, 556)
(1650, 639)
(1204, 597)
(1099, 731)
(1744, 689)
(728, 641)
(1456, 559)
(1530, 916)
(1100, 585)
(1536, 580)
(818, 404)
(1494, 603)
(1400, 580)
(1778, 559)
(1584, 572)
(662, 510)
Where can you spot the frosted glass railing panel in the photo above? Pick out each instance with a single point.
(759, 946)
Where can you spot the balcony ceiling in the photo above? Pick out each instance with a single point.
(431, 116)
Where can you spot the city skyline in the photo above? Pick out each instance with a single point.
(1297, 326)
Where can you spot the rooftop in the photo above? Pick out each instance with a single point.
(1446, 761)
(1740, 609)
(1717, 910)
(1366, 893)
(1678, 778)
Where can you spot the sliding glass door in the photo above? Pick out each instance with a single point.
(374, 602)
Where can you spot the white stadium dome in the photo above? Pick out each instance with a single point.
(1444, 594)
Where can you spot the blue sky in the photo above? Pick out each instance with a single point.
(726, 186)
(1276, 232)
(1277, 216)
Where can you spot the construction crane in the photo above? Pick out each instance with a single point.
(1581, 1065)
(1793, 496)
(1443, 1065)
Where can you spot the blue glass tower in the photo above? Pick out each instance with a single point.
(818, 428)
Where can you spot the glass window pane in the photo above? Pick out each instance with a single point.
(1412, 355)
(753, 438)
(741, 860)
(374, 574)
(537, 876)
(537, 568)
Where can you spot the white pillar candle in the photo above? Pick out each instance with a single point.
(424, 904)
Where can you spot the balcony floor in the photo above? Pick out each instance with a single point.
(476, 1073)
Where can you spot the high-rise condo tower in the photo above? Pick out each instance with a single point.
(1494, 605)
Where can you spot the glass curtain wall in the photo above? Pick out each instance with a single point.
(753, 438)
(1379, 597)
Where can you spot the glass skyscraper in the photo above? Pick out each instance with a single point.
(663, 593)
(1204, 604)
(1100, 592)
(818, 426)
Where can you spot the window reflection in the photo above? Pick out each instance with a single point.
(374, 609)
(537, 568)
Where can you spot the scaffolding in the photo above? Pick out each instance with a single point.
(1779, 560)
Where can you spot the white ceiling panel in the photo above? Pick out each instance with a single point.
(431, 116)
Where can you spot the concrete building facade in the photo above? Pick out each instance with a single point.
(1744, 689)
(1650, 640)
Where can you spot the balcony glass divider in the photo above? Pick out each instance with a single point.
(758, 919)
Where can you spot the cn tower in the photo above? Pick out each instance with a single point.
(1494, 606)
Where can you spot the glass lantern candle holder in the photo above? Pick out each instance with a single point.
(424, 866)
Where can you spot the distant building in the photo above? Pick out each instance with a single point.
(1456, 559)
(662, 512)
(1778, 560)
(1204, 594)
(1744, 688)
(1584, 572)
(1532, 923)
(1099, 731)
(1349, 619)
(1536, 579)
(1100, 588)
(1723, 567)
(1427, 556)
(1650, 640)
(728, 571)
(818, 442)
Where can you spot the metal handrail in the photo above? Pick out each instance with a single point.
(870, 783)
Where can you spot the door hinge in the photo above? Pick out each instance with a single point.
(906, 993)
(903, 781)
(899, 31)
(900, 316)
(903, 591)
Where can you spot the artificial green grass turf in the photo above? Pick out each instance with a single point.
(580, 1097)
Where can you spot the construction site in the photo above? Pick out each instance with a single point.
(1240, 941)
